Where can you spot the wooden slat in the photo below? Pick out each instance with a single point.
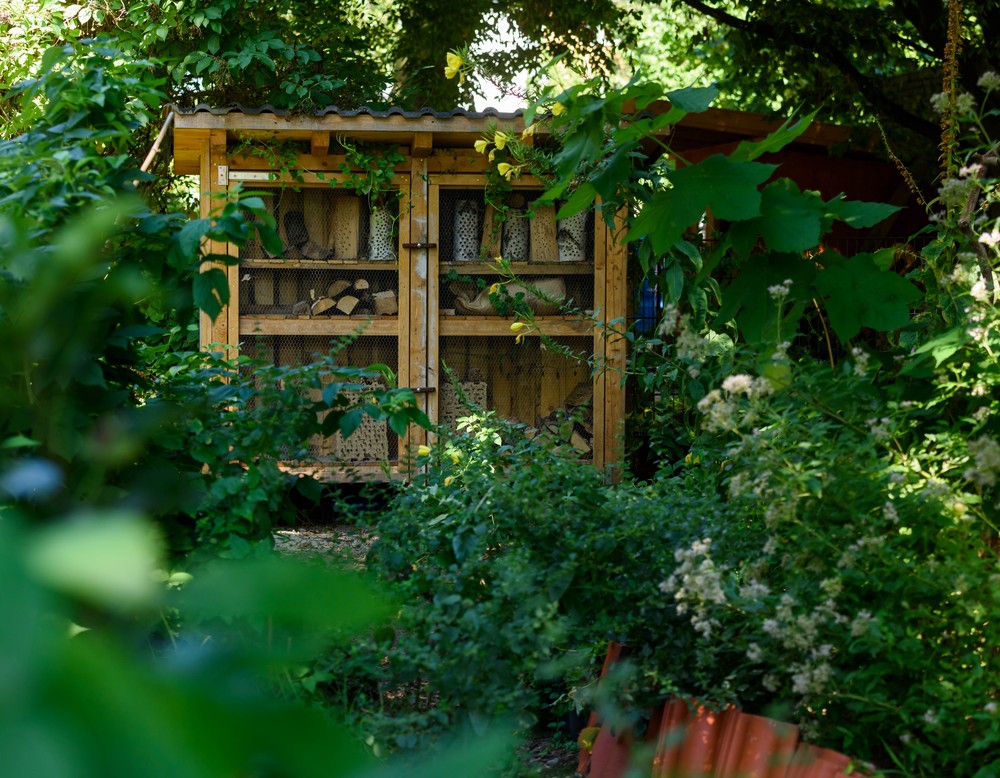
(488, 326)
(332, 326)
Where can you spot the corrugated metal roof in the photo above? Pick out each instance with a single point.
(488, 113)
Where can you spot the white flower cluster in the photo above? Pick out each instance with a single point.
(989, 81)
(721, 407)
(779, 292)
(696, 584)
(861, 358)
(985, 454)
(991, 238)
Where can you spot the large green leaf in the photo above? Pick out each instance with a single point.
(747, 300)
(211, 291)
(775, 141)
(729, 189)
(693, 99)
(858, 294)
(790, 220)
(857, 213)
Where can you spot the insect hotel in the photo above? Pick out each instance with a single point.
(405, 263)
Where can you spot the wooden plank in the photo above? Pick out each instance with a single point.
(425, 345)
(616, 305)
(332, 326)
(490, 326)
(601, 241)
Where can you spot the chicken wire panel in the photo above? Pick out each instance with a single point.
(373, 442)
(318, 224)
(516, 228)
(490, 295)
(543, 383)
(324, 290)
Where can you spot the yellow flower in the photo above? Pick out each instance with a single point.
(528, 131)
(423, 451)
(558, 109)
(456, 457)
(454, 66)
(481, 146)
(501, 138)
(495, 288)
(449, 480)
(519, 338)
(507, 170)
(493, 153)
(518, 326)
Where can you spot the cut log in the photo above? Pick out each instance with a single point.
(347, 304)
(385, 303)
(322, 305)
(337, 288)
(579, 442)
(361, 284)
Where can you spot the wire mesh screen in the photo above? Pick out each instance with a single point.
(545, 384)
(373, 442)
(319, 290)
(491, 295)
(324, 223)
(519, 230)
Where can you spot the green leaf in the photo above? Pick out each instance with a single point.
(747, 300)
(693, 99)
(211, 291)
(729, 188)
(578, 201)
(775, 141)
(18, 441)
(859, 214)
(108, 559)
(790, 219)
(859, 294)
(350, 421)
(271, 588)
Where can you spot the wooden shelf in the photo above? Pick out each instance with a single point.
(319, 325)
(520, 268)
(493, 326)
(318, 264)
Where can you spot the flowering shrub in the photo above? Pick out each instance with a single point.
(848, 566)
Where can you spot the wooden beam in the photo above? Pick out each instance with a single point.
(319, 143)
(423, 144)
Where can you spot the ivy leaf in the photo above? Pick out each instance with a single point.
(211, 291)
(859, 294)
